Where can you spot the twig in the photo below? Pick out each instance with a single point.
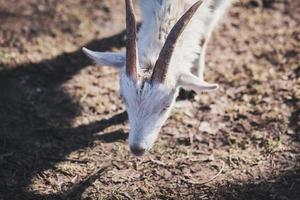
(125, 194)
(77, 188)
(207, 181)
(232, 164)
(159, 162)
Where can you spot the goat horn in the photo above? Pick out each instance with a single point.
(131, 47)
(162, 63)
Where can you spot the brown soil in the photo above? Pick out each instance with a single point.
(63, 128)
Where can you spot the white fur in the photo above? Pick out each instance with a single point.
(148, 108)
(158, 22)
(149, 105)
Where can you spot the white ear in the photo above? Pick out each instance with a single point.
(191, 82)
(106, 58)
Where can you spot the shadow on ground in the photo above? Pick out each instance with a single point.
(35, 116)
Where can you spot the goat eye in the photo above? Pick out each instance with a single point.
(165, 109)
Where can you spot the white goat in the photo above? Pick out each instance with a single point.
(168, 55)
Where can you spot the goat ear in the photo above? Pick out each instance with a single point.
(191, 82)
(106, 58)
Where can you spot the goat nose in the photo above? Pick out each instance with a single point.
(137, 150)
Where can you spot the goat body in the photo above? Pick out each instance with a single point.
(168, 54)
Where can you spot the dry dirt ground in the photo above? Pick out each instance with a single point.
(63, 129)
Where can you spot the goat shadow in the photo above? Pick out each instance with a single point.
(36, 112)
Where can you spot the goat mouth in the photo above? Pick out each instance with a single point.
(137, 154)
(137, 151)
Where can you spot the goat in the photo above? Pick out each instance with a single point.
(169, 54)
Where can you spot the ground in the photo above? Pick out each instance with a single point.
(63, 128)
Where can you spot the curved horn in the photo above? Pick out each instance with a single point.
(131, 49)
(162, 64)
